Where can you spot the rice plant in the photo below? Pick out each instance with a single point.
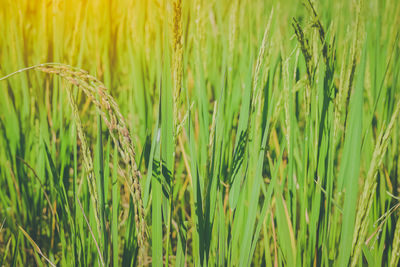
(199, 133)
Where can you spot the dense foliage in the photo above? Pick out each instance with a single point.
(206, 133)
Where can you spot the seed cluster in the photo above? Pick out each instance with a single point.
(114, 121)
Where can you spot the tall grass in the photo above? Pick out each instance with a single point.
(206, 133)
